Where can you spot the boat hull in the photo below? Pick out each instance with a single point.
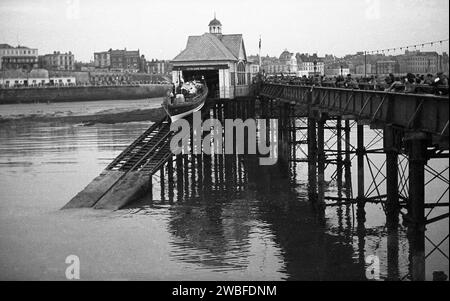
(179, 111)
(175, 117)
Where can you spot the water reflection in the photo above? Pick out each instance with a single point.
(30, 139)
(214, 222)
(222, 216)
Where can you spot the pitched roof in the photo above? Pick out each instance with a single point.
(211, 47)
(5, 46)
(233, 43)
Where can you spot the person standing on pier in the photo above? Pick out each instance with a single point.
(440, 80)
(410, 83)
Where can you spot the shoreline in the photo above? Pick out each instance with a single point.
(127, 115)
(152, 115)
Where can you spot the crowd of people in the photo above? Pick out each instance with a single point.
(185, 91)
(409, 83)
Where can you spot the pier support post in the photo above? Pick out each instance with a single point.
(253, 108)
(391, 148)
(170, 170)
(339, 167)
(220, 112)
(360, 199)
(286, 131)
(186, 175)
(170, 181)
(339, 156)
(321, 163)
(162, 182)
(312, 159)
(179, 163)
(215, 110)
(150, 188)
(207, 174)
(360, 153)
(392, 203)
(271, 108)
(283, 133)
(417, 148)
(347, 160)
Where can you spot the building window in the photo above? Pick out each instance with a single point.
(241, 73)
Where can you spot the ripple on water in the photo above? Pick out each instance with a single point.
(261, 229)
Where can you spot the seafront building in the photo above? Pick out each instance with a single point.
(273, 65)
(295, 65)
(387, 67)
(367, 69)
(286, 63)
(310, 64)
(57, 61)
(220, 58)
(311, 68)
(20, 57)
(120, 60)
(162, 67)
(34, 78)
(336, 71)
(418, 62)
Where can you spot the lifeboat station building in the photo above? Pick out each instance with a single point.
(220, 58)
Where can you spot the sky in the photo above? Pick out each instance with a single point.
(159, 28)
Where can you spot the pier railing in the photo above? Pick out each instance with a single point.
(418, 112)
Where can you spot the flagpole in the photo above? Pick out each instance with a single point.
(259, 53)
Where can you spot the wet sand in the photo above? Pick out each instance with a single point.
(88, 113)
